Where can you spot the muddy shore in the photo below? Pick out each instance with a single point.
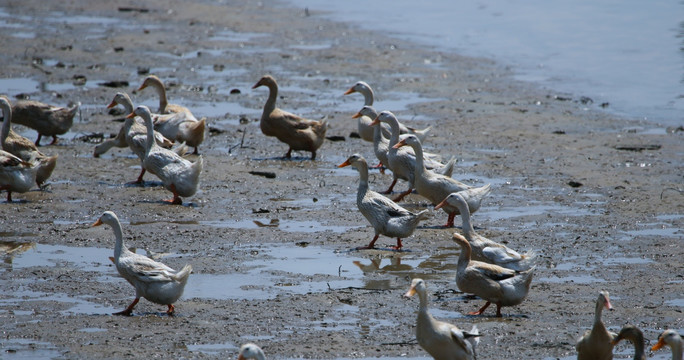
(569, 182)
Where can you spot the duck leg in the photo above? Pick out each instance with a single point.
(371, 245)
(498, 309)
(9, 193)
(54, 140)
(482, 309)
(196, 152)
(399, 245)
(288, 154)
(402, 195)
(176, 198)
(38, 140)
(450, 220)
(129, 309)
(171, 310)
(391, 187)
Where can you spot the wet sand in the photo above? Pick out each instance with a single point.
(598, 217)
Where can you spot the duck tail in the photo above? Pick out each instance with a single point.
(448, 168)
(197, 130)
(46, 166)
(473, 336)
(420, 134)
(183, 274)
(321, 128)
(181, 149)
(423, 215)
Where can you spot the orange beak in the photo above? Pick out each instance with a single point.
(111, 105)
(375, 122)
(97, 223)
(399, 144)
(131, 115)
(350, 91)
(346, 163)
(357, 115)
(410, 292)
(441, 205)
(658, 345)
(142, 87)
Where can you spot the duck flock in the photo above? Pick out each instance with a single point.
(486, 268)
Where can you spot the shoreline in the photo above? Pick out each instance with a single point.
(610, 229)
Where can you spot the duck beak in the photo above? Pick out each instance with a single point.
(357, 115)
(130, 116)
(111, 105)
(375, 122)
(441, 205)
(410, 292)
(257, 84)
(658, 345)
(346, 163)
(608, 305)
(97, 223)
(142, 87)
(350, 91)
(399, 144)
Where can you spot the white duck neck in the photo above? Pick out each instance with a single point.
(6, 122)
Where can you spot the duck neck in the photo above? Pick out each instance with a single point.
(272, 96)
(150, 133)
(161, 91)
(423, 297)
(467, 226)
(367, 96)
(6, 123)
(598, 311)
(394, 134)
(128, 104)
(677, 350)
(420, 165)
(118, 246)
(363, 180)
(639, 353)
(464, 257)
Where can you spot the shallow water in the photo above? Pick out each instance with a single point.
(605, 50)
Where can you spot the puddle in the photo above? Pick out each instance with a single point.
(83, 258)
(659, 230)
(625, 261)
(233, 36)
(577, 279)
(675, 302)
(92, 330)
(212, 349)
(284, 225)
(531, 209)
(77, 305)
(28, 349)
(18, 85)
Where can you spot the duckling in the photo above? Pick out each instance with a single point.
(297, 132)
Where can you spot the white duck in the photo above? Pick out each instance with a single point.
(178, 175)
(385, 215)
(672, 338)
(402, 160)
(484, 249)
(435, 187)
(380, 142)
(251, 351)
(636, 337)
(133, 134)
(175, 122)
(443, 341)
(152, 280)
(496, 284)
(22, 147)
(16, 175)
(597, 343)
(120, 141)
(365, 130)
